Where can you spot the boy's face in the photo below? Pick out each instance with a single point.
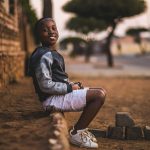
(48, 32)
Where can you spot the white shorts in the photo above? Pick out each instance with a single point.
(74, 101)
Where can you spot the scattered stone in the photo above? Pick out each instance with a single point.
(116, 132)
(58, 138)
(147, 132)
(52, 141)
(57, 147)
(123, 119)
(56, 133)
(125, 129)
(98, 133)
(134, 133)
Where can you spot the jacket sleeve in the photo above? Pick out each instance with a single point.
(43, 74)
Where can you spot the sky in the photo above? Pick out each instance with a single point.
(61, 18)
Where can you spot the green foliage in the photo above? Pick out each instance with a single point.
(30, 13)
(105, 8)
(85, 25)
(99, 14)
(72, 40)
(136, 31)
(78, 44)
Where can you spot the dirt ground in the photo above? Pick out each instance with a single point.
(24, 125)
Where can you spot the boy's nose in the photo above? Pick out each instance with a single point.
(49, 33)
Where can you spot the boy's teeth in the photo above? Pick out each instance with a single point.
(52, 38)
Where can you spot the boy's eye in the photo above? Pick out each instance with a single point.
(45, 30)
(54, 28)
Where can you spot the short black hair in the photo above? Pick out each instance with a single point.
(39, 23)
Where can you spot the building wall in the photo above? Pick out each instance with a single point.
(11, 55)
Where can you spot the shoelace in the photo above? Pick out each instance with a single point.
(84, 134)
(90, 135)
(84, 137)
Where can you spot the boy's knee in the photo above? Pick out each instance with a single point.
(101, 95)
(103, 92)
(97, 95)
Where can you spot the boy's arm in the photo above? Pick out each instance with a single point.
(43, 74)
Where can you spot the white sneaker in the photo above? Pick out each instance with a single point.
(90, 135)
(83, 138)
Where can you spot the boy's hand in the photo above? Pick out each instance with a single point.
(75, 87)
(79, 84)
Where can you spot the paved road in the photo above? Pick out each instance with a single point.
(124, 66)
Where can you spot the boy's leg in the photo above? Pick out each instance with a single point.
(94, 100)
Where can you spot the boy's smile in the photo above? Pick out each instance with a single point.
(48, 33)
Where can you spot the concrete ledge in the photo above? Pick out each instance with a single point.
(58, 139)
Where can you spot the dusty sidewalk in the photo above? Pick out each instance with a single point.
(124, 65)
(24, 126)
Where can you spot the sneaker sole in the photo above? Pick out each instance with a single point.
(80, 145)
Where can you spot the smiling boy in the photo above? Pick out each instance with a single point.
(54, 89)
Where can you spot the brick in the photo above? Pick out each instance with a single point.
(134, 133)
(11, 69)
(115, 132)
(147, 132)
(98, 133)
(123, 119)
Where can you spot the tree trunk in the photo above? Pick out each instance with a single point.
(110, 61)
(47, 10)
(88, 51)
(142, 49)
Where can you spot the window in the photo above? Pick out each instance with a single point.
(12, 7)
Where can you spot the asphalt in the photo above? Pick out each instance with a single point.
(126, 65)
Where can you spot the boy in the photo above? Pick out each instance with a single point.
(51, 83)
